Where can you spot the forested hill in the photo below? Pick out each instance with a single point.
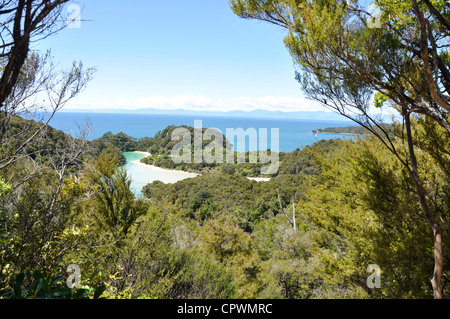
(49, 143)
(342, 130)
(348, 198)
(161, 143)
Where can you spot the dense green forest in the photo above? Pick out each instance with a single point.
(350, 201)
(71, 227)
(46, 150)
(220, 235)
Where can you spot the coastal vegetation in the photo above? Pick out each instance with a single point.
(353, 61)
(161, 146)
(330, 211)
(355, 130)
(221, 235)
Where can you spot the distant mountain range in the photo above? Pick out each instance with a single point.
(307, 115)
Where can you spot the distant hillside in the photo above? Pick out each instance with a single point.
(121, 140)
(342, 130)
(160, 144)
(160, 147)
(47, 147)
(302, 161)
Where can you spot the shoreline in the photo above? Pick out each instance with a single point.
(156, 168)
(259, 179)
(164, 170)
(180, 172)
(147, 154)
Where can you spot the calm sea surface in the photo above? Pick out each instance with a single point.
(294, 133)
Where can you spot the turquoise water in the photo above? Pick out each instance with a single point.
(133, 156)
(142, 174)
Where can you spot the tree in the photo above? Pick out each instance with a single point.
(116, 207)
(35, 160)
(27, 77)
(343, 60)
(232, 247)
(365, 199)
(22, 22)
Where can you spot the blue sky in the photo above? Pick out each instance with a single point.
(170, 54)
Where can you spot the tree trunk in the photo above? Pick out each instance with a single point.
(438, 262)
(437, 233)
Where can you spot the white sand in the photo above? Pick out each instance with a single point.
(151, 173)
(259, 179)
(164, 170)
(187, 174)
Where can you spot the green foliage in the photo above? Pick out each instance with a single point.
(380, 99)
(367, 198)
(100, 147)
(161, 147)
(4, 188)
(232, 248)
(36, 286)
(157, 261)
(162, 143)
(122, 141)
(213, 195)
(34, 232)
(303, 161)
(221, 235)
(354, 130)
(342, 61)
(46, 150)
(115, 203)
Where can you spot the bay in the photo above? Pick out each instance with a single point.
(142, 174)
(293, 134)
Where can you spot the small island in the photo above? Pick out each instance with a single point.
(347, 130)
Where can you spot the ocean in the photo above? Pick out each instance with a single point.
(293, 133)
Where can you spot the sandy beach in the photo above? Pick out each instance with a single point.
(184, 173)
(163, 170)
(143, 174)
(159, 169)
(259, 179)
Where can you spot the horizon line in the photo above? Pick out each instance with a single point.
(183, 112)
